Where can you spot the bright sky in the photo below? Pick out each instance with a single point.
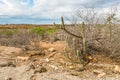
(44, 11)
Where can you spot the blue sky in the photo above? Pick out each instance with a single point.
(44, 11)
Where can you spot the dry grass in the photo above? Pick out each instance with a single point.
(16, 38)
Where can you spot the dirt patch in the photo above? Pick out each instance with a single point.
(50, 64)
(58, 45)
(10, 51)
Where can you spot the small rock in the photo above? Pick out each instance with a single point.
(22, 58)
(4, 63)
(71, 67)
(51, 55)
(46, 60)
(37, 53)
(40, 70)
(80, 69)
(25, 48)
(51, 50)
(116, 68)
(46, 51)
(54, 67)
(99, 73)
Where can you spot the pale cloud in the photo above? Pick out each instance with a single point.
(46, 9)
(10, 7)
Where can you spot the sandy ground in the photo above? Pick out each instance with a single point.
(50, 64)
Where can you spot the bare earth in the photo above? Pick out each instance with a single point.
(48, 63)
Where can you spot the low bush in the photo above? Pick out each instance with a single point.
(38, 30)
(16, 38)
(51, 30)
(8, 32)
(42, 30)
(22, 37)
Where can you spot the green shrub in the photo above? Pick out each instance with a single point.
(8, 32)
(51, 30)
(41, 30)
(38, 30)
(19, 39)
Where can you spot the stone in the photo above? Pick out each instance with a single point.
(22, 58)
(10, 51)
(46, 60)
(37, 53)
(116, 69)
(52, 54)
(5, 63)
(54, 67)
(51, 50)
(71, 67)
(40, 70)
(99, 73)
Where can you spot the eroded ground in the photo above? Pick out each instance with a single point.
(48, 63)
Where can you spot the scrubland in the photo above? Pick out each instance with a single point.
(50, 53)
(86, 49)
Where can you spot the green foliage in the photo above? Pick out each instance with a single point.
(51, 30)
(42, 30)
(11, 37)
(8, 31)
(38, 30)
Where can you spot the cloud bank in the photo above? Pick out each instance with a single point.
(44, 11)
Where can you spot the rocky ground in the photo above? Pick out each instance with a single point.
(48, 63)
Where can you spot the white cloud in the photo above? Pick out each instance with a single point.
(14, 7)
(47, 8)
